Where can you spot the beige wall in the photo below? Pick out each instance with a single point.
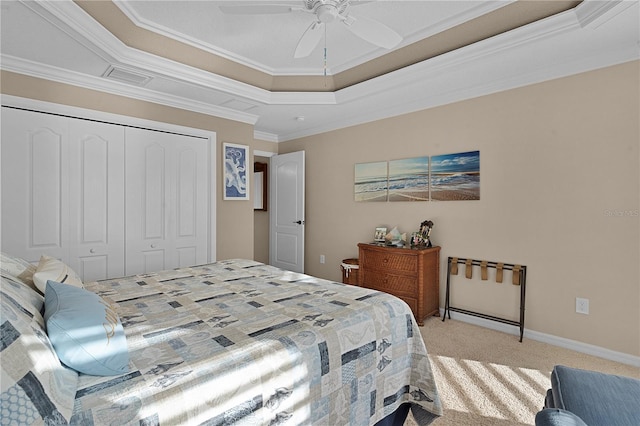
(234, 218)
(557, 160)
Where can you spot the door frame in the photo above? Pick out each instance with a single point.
(107, 117)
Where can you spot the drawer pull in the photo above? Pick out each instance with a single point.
(385, 260)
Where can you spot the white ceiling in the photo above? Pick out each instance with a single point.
(58, 40)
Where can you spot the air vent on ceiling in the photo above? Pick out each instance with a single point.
(238, 105)
(126, 76)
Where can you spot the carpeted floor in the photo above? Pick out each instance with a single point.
(487, 377)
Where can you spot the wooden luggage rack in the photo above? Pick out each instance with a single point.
(519, 278)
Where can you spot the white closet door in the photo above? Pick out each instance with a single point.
(35, 175)
(96, 202)
(167, 200)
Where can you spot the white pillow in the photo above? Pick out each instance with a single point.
(17, 267)
(52, 269)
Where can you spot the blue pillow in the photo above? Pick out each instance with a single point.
(85, 331)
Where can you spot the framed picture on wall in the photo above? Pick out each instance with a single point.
(371, 181)
(455, 177)
(409, 179)
(236, 182)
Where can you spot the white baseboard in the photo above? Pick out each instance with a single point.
(550, 339)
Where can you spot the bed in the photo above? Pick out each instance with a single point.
(231, 342)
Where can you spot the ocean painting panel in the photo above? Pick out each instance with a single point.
(455, 176)
(370, 183)
(409, 179)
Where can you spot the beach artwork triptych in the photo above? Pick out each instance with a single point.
(446, 177)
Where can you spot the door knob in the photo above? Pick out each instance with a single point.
(92, 250)
(299, 222)
(153, 246)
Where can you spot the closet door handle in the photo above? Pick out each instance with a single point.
(92, 251)
(153, 246)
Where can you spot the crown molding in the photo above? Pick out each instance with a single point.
(71, 18)
(143, 23)
(267, 154)
(103, 41)
(265, 136)
(33, 69)
(107, 117)
(483, 8)
(593, 13)
(481, 78)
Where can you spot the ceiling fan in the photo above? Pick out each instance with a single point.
(325, 12)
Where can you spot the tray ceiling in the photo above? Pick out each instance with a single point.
(191, 55)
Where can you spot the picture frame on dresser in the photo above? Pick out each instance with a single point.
(380, 235)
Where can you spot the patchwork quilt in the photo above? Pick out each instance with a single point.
(240, 342)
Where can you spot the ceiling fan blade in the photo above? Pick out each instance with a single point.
(309, 40)
(373, 31)
(256, 9)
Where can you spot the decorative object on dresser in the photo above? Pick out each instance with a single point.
(412, 274)
(422, 238)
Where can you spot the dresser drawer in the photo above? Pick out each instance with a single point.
(390, 261)
(390, 283)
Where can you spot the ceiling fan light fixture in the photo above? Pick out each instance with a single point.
(327, 13)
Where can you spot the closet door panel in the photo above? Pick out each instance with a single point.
(153, 260)
(34, 184)
(190, 232)
(166, 199)
(154, 193)
(145, 178)
(46, 189)
(96, 212)
(94, 196)
(188, 256)
(187, 194)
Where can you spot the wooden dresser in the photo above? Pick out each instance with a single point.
(412, 274)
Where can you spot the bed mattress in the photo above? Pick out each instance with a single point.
(240, 342)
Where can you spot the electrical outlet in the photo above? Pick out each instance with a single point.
(582, 306)
(322, 258)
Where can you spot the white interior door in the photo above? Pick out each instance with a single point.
(96, 201)
(167, 199)
(286, 218)
(35, 176)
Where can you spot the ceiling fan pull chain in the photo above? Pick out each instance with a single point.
(325, 56)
